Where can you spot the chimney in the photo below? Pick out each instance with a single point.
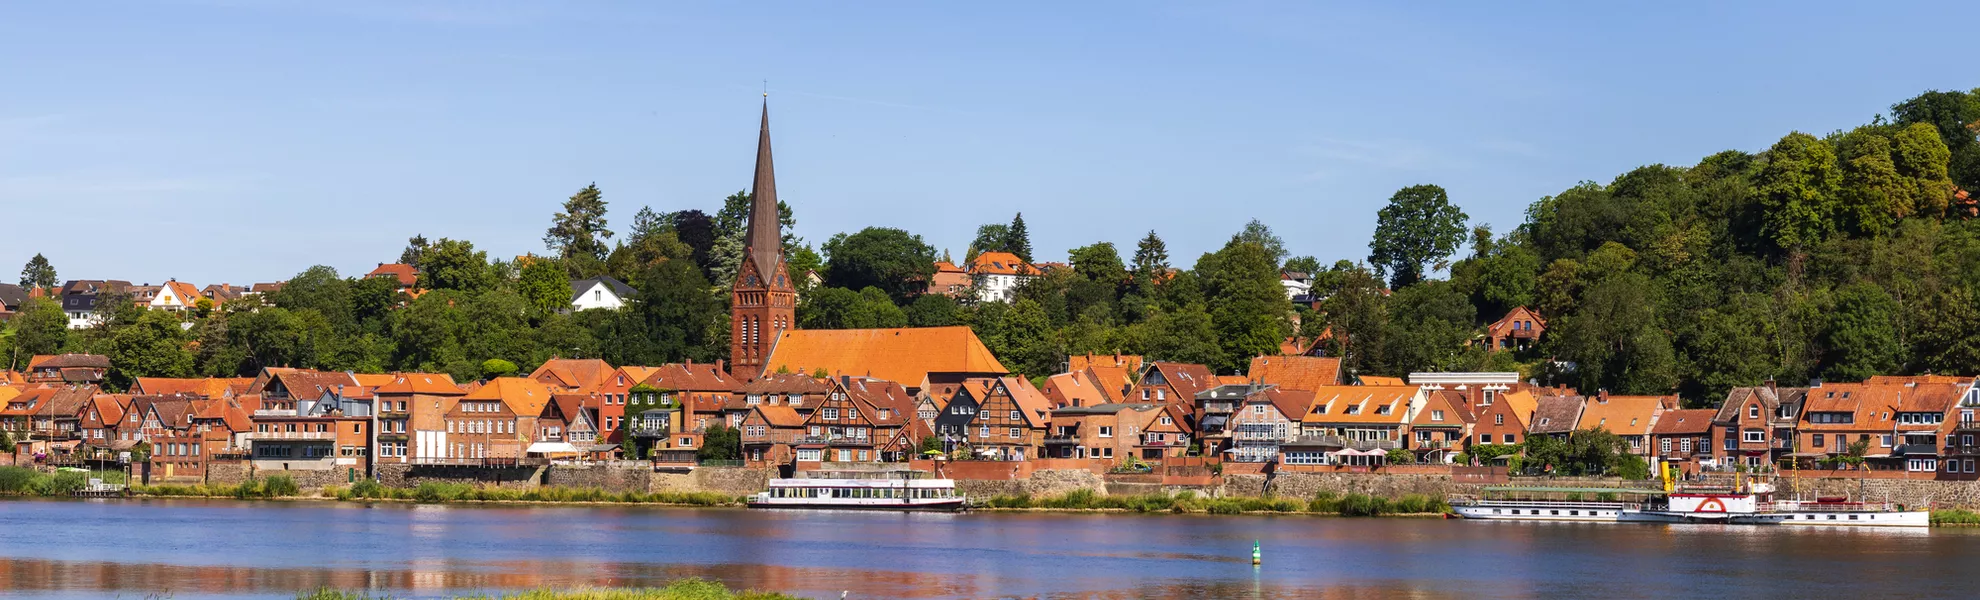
(845, 380)
(720, 365)
(1602, 395)
(1770, 383)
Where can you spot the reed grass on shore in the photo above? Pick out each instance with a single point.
(1351, 505)
(684, 589)
(437, 493)
(1955, 517)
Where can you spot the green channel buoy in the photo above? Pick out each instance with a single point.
(1256, 556)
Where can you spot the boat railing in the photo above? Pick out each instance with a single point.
(1804, 506)
(1553, 504)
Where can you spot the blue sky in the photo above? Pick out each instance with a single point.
(244, 140)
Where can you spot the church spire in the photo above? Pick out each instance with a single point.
(765, 239)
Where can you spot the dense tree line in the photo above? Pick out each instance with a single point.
(1838, 256)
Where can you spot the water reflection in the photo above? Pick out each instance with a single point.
(194, 549)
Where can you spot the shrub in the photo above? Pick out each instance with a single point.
(279, 486)
(18, 480)
(369, 489)
(1955, 516)
(1324, 502)
(62, 483)
(1225, 506)
(1362, 505)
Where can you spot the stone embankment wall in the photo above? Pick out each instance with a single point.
(410, 476)
(1308, 485)
(1909, 492)
(1042, 482)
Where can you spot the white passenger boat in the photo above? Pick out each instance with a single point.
(1840, 512)
(862, 490)
(1533, 503)
(1731, 507)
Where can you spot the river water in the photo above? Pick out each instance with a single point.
(221, 549)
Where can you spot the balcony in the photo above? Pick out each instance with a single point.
(1340, 442)
(646, 430)
(848, 441)
(1967, 426)
(1219, 408)
(1435, 444)
(1061, 439)
(328, 436)
(1147, 443)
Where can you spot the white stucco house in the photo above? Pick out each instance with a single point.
(602, 291)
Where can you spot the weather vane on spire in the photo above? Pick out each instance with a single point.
(766, 88)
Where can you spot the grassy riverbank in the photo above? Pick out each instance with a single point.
(1350, 505)
(685, 589)
(1955, 517)
(23, 481)
(436, 493)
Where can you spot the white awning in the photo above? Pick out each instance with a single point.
(552, 448)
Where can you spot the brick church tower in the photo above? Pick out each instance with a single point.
(764, 301)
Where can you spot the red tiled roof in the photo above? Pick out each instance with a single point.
(1295, 372)
(1685, 422)
(907, 354)
(1001, 263)
(438, 384)
(406, 275)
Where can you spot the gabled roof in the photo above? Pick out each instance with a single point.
(574, 374)
(522, 395)
(1517, 314)
(437, 384)
(187, 293)
(881, 395)
(906, 354)
(1903, 379)
(1694, 421)
(1294, 404)
(1621, 415)
(1187, 379)
(618, 288)
(778, 415)
(785, 383)
(1037, 410)
(206, 387)
(1360, 404)
(110, 407)
(1557, 414)
(308, 384)
(1522, 404)
(1000, 263)
(12, 295)
(1446, 404)
(1079, 362)
(173, 412)
(1380, 380)
(405, 274)
(1295, 372)
(66, 361)
(1073, 389)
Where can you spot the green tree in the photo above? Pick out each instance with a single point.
(1185, 335)
(38, 273)
(1922, 158)
(1151, 259)
(1615, 339)
(415, 248)
(455, 265)
(1873, 196)
(1246, 302)
(1304, 264)
(933, 310)
(579, 231)
(1025, 344)
(895, 261)
(990, 237)
(544, 287)
(1357, 320)
(40, 328)
(1017, 239)
(1862, 337)
(1952, 115)
(1420, 227)
(1429, 326)
(731, 224)
(495, 367)
(1798, 192)
(720, 442)
(154, 346)
(1256, 232)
